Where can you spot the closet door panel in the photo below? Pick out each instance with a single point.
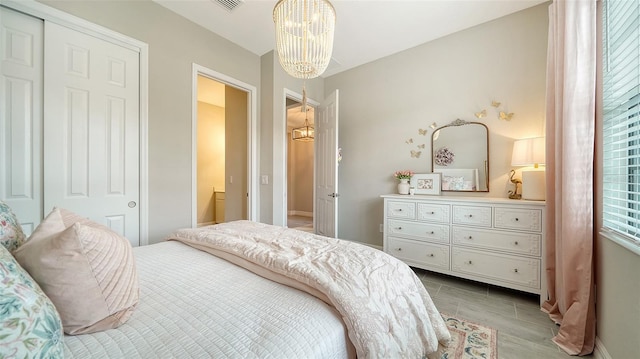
(92, 129)
(21, 57)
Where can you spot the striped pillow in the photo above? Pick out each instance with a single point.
(86, 269)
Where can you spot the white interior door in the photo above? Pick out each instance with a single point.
(21, 116)
(326, 201)
(91, 126)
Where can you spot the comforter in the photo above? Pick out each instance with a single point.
(386, 309)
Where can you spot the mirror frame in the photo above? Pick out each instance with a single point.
(458, 123)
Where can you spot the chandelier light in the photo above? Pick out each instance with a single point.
(304, 36)
(304, 133)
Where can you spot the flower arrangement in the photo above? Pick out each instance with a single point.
(443, 157)
(406, 174)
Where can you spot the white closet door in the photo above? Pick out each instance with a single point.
(21, 116)
(91, 125)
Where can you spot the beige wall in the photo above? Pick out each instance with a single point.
(174, 45)
(236, 154)
(273, 132)
(384, 103)
(618, 299)
(211, 158)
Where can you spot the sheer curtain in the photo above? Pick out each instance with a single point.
(571, 99)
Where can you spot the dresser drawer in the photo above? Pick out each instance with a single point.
(518, 218)
(419, 231)
(476, 216)
(433, 212)
(501, 267)
(405, 210)
(514, 242)
(428, 254)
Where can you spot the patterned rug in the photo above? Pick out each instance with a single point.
(470, 340)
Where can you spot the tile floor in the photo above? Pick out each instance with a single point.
(524, 332)
(300, 222)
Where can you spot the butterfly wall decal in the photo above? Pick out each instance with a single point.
(422, 132)
(481, 114)
(421, 146)
(409, 141)
(495, 103)
(416, 154)
(506, 116)
(433, 126)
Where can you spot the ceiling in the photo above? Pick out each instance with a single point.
(366, 30)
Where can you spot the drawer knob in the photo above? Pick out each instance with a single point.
(432, 212)
(515, 270)
(399, 249)
(432, 232)
(469, 262)
(399, 209)
(471, 215)
(516, 243)
(469, 237)
(517, 219)
(399, 228)
(431, 255)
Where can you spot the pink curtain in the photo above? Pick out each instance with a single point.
(571, 99)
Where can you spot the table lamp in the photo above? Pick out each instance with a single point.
(530, 152)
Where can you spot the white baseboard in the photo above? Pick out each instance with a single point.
(600, 352)
(300, 213)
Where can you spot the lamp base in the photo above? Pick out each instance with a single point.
(534, 185)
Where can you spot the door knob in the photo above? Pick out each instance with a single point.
(132, 204)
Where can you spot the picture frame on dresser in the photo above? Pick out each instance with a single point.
(426, 183)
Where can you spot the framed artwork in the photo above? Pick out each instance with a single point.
(426, 183)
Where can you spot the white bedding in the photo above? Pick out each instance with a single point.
(387, 311)
(195, 305)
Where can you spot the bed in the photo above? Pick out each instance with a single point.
(195, 305)
(250, 290)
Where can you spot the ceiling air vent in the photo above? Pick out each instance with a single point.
(229, 4)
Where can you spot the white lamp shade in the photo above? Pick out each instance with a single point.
(531, 152)
(528, 152)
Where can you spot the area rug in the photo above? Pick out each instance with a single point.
(470, 340)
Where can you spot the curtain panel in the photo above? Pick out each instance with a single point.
(570, 143)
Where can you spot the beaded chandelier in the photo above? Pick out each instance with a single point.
(304, 36)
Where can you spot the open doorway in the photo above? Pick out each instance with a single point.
(300, 166)
(224, 151)
(210, 152)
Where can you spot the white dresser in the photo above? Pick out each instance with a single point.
(491, 240)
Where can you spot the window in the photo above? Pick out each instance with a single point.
(621, 122)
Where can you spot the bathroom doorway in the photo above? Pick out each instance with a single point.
(221, 153)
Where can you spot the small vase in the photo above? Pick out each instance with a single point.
(403, 186)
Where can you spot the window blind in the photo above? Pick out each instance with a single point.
(621, 118)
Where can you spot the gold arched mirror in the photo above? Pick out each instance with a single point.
(460, 152)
